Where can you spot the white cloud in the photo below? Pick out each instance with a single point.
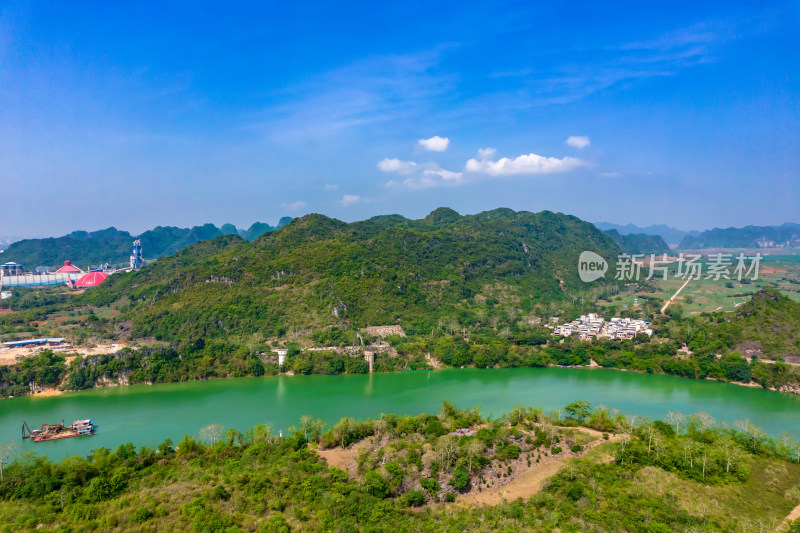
(579, 142)
(350, 199)
(486, 153)
(331, 187)
(425, 176)
(397, 166)
(294, 206)
(446, 175)
(524, 164)
(435, 143)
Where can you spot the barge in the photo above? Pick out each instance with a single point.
(78, 428)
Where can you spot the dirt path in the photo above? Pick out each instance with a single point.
(663, 309)
(531, 480)
(346, 459)
(794, 515)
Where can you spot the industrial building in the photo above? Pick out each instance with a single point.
(11, 269)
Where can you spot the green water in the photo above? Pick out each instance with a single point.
(146, 415)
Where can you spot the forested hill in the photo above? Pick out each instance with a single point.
(785, 235)
(114, 246)
(318, 271)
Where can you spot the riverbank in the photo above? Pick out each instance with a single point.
(123, 380)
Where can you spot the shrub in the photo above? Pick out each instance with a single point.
(221, 494)
(460, 479)
(556, 450)
(576, 448)
(575, 491)
(142, 514)
(429, 484)
(414, 498)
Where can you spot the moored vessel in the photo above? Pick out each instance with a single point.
(47, 432)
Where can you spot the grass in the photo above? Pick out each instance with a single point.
(761, 502)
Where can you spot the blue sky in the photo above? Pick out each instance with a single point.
(139, 114)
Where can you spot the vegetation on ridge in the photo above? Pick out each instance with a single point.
(687, 473)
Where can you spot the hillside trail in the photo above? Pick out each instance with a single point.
(530, 480)
(527, 480)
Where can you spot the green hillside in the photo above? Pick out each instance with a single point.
(318, 271)
(768, 324)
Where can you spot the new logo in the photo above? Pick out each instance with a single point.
(591, 266)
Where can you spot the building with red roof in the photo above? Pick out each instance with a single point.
(92, 279)
(68, 269)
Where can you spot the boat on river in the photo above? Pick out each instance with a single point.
(79, 428)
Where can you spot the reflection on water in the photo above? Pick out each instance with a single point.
(146, 415)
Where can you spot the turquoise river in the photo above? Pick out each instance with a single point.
(146, 415)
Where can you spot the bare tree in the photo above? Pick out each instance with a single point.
(447, 447)
(689, 447)
(677, 419)
(343, 430)
(625, 431)
(212, 434)
(705, 420)
(704, 458)
(475, 449)
(658, 444)
(731, 452)
(380, 426)
(649, 431)
(516, 416)
(753, 434)
(790, 446)
(7, 453)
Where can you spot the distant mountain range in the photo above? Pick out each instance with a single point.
(783, 236)
(114, 246)
(669, 234)
(638, 243)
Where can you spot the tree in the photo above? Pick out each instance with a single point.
(689, 446)
(7, 453)
(516, 416)
(649, 431)
(447, 447)
(704, 458)
(731, 453)
(212, 434)
(475, 449)
(578, 411)
(704, 420)
(790, 446)
(625, 430)
(752, 434)
(311, 427)
(677, 419)
(344, 431)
